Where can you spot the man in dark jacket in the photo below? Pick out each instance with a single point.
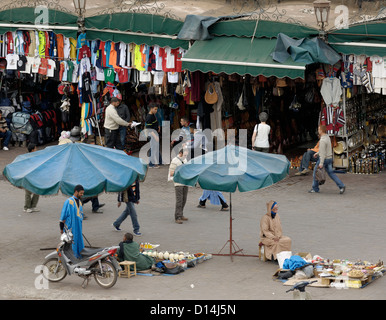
(124, 113)
(130, 196)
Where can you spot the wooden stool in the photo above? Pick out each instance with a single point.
(127, 273)
(262, 254)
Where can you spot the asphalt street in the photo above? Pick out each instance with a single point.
(349, 226)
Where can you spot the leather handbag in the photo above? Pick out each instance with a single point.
(211, 94)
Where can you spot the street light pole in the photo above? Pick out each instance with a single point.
(322, 12)
(80, 9)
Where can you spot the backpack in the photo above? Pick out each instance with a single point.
(26, 107)
(36, 120)
(20, 123)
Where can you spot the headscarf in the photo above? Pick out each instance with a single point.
(270, 206)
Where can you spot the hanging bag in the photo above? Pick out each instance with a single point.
(211, 94)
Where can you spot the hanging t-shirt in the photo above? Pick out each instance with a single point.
(144, 76)
(84, 52)
(3, 46)
(42, 44)
(138, 58)
(107, 52)
(60, 46)
(152, 60)
(100, 75)
(109, 75)
(28, 65)
(35, 65)
(86, 87)
(75, 72)
(66, 48)
(70, 69)
(173, 77)
(51, 68)
(57, 71)
(32, 46)
(63, 71)
(72, 49)
(12, 59)
(158, 77)
(122, 55)
(21, 63)
(53, 52)
(113, 57)
(180, 54)
(80, 43)
(158, 58)
(122, 74)
(10, 46)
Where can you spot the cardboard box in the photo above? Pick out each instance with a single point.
(305, 255)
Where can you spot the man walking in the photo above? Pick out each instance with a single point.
(72, 218)
(325, 160)
(180, 189)
(112, 123)
(130, 196)
(31, 200)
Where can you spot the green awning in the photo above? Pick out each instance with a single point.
(25, 18)
(136, 28)
(367, 38)
(240, 55)
(260, 29)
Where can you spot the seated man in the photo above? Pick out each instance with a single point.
(271, 235)
(129, 251)
(309, 155)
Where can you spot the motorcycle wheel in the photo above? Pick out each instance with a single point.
(54, 270)
(107, 276)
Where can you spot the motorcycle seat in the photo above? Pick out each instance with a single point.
(87, 252)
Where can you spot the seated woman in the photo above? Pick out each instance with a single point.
(271, 235)
(129, 251)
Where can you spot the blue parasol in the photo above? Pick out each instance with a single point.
(62, 167)
(233, 168)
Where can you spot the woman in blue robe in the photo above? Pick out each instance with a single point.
(215, 197)
(72, 217)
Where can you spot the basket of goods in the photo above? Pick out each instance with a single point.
(357, 274)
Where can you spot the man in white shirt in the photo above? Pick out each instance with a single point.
(260, 137)
(112, 123)
(180, 189)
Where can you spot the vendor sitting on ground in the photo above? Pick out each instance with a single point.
(271, 235)
(129, 251)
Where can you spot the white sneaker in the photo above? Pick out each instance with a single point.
(5, 149)
(35, 209)
(27, 210)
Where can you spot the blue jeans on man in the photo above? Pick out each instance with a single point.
(330, 171)
(129, 211)
(307, 157)
(6, 136)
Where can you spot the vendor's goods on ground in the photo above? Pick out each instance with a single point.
(338, 273)
(173, 262)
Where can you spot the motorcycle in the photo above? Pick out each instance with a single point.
(100, 263)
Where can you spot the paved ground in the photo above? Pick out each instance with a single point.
(327, 224)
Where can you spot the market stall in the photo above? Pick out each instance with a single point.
(138, 56)
(328, 273)
(362, 138)
(173, 262)
(34, 44)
